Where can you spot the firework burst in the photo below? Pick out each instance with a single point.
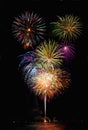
(41, 80)
(67, 27)
(48, 53)
(68, 51)
(51, 82)
(27, 63)
(29, 28)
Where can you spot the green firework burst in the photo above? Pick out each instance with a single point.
(49, 54)
(67, 27)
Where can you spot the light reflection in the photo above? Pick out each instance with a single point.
(50, 126)
(47, 126)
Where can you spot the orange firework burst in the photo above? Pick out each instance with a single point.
(51, 82)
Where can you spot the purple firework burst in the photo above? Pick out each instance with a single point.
(68, 51)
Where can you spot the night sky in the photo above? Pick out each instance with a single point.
(17, 101)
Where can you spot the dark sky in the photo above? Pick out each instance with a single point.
(17, 101)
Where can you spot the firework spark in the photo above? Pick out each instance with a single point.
(67, 27)
(29, 28)
(48, 53)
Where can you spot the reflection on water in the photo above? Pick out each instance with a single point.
(50, 126)
(71, 125)
(43, 126)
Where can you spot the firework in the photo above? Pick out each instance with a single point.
(51, 82)
(43, 82)
(67, 27)
(40, 80)
(48, 53)
(68, 51)
(29, 29)
(28, 57)
(27, 61)
(28, 66)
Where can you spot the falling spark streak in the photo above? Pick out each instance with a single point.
(45, 98)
